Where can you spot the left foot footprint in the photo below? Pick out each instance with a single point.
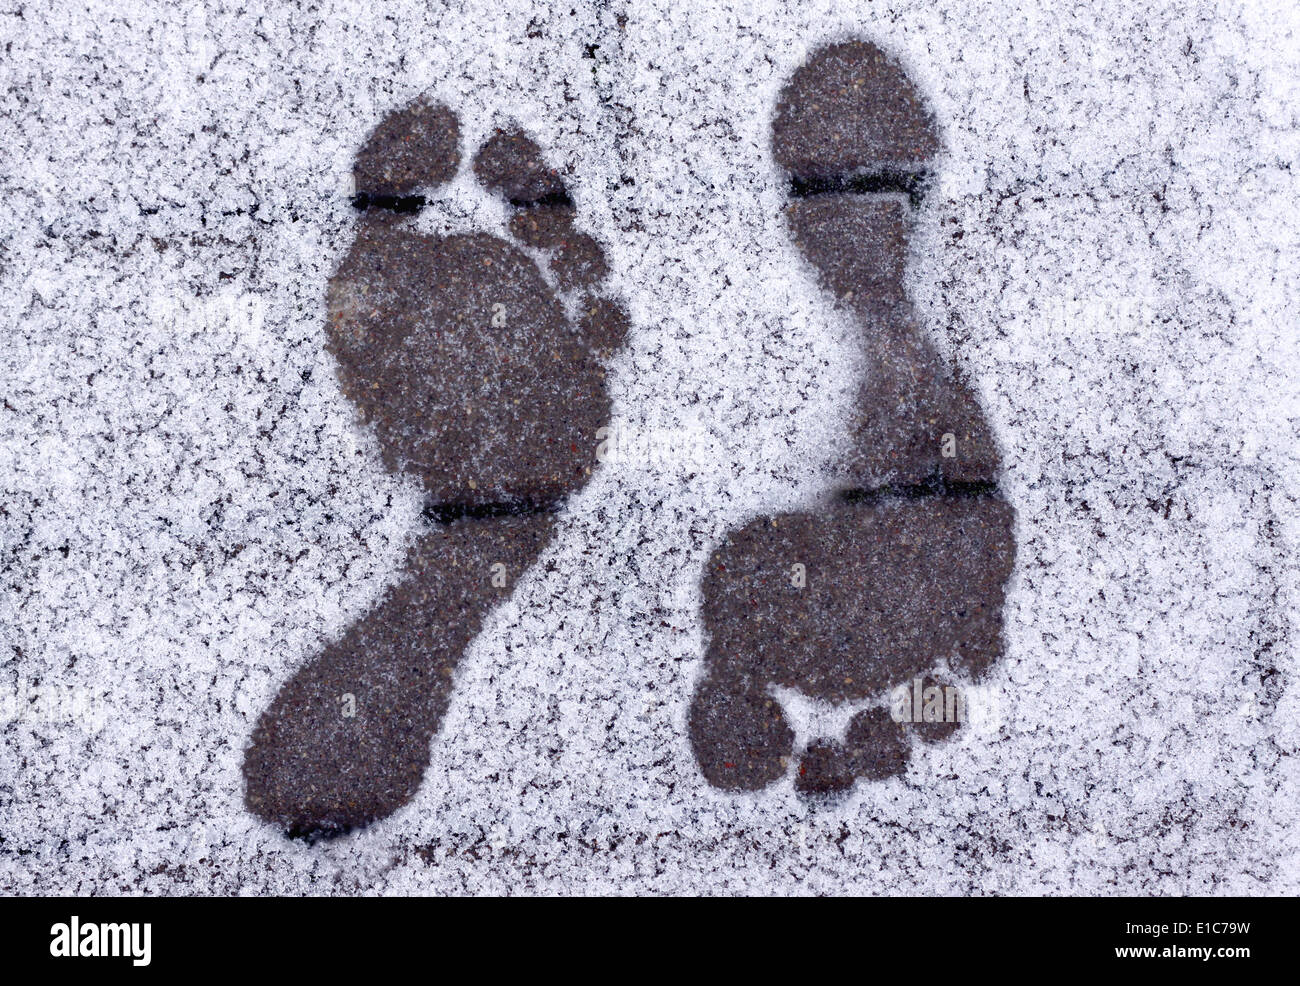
(461, 356)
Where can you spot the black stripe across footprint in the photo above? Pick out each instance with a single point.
(901, 579)
(460, 355)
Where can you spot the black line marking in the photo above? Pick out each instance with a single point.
(321, 831)
(407, 205)
(447, 513)
(935, 486)
(913, 184)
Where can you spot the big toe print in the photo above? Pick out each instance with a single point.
(461, 353)
(900, 580)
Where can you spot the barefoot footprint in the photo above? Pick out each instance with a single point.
(901, 578)
(464, 359)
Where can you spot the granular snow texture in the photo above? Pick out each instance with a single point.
(190, 508)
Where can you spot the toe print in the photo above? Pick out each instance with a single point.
(465, 362)
(415, 148)
(904, 572)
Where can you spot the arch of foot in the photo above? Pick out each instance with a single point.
(346, 741)
(904, 570)
(461, 354)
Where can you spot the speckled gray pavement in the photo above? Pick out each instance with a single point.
(193, 507)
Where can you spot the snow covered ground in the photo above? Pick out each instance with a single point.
(187, 507)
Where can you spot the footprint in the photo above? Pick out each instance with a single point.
(902, 576)
(477, 359)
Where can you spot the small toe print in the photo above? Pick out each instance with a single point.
(511, 164)
(877, 747)
(543, 227)
(579, 262)
(936, 710)
(825, 768)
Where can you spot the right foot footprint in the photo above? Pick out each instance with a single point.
(461, 356)
(904, 573)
